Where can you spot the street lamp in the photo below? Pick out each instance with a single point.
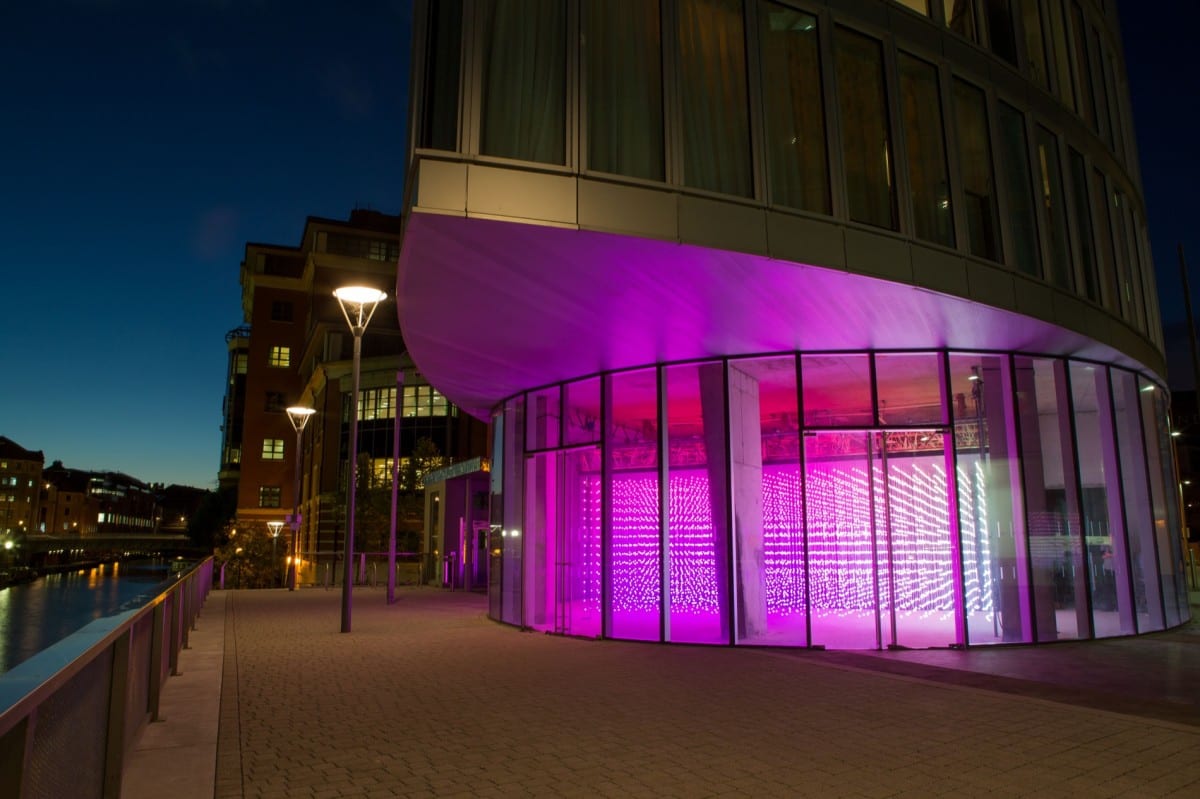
(299, 417)
(358, 305)
(274, 527)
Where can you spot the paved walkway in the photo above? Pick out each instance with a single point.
(428, 698)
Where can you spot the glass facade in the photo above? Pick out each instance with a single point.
(841, 500)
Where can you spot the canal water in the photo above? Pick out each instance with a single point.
(35, 615)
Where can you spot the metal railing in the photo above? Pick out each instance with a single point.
(69, 715)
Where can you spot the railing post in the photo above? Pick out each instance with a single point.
(114, 747)
(156, 657)
(179, 601)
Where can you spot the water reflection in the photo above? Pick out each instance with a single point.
(38, 614)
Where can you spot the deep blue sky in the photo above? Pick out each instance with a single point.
(145, 141)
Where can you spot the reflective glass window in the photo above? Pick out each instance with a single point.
(866, 137)
(837, 390)
(1057, 36)
(1100, 87)
(975, 163)
(713, 98)
(794, 108)
(1101, 522)
(581, 406)
(1163, 495)
(1051, 500)
(908, 388)
(1140, 551)
(960, 18)
(1081, 204)
(1054, 210)
(511, 532)
(996, 589)
(524, 79)
(543, 418)
(1130, 291)
(768, 530)
(697, 526)
(1002, 37)
(1109, 281)
(439, 122)
(623, 62)
(1035, 44)
(1087, 99)
(920, 6)
(1018, 189)
(635, 551)
(925, 150)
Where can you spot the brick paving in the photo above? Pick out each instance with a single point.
(427, 698)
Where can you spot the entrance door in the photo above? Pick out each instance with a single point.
(881, 566)
(562, 541)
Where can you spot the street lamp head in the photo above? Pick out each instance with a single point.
(274, 527)
(358, 305)
(299, 416)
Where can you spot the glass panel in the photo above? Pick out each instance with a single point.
(841, 550)
(920, 6)
(914, 547)
(1108, 270)
(439, 123)
(634, 540)
(1102, 527)
(795, 111)
(1122, 256)
(1014, 159)
(1057, 35)
(623, 52)
(764, 442)
(866, 138)
(909, 389)
(716, 115)
(582, 409)
(1081, 204)
(513, 464)
(697, 526)
(1035, 46)
(1163, 495)
(960, 18)
(1100, 88)
(975, 162)
(837, 390)
(524, 79)
(1082, 69)
(543, 419)
(562, 527)
(1139, 551)
(925, 149)
(1050, 190)
(1001, 35)
(1051, 500)
(988, 471)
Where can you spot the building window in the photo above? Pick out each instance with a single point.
(524, 80)
(1014, 160)
(794, 108)
(862, 100)
(425, 401)
(960, 18)
(275, 402)
(925, 146)
(280, 356)
(272, 449)
(624, 89)
(975, 162)
(377, 403)
(268, 496)
(439, 123)
(281, 311)
(239, 363)
(712, 88)
(1050, 192)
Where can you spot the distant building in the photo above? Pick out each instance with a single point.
(296, 349)
(67, 507)
(824, 323)
(20, 489)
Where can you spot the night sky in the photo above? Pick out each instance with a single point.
(145, 141)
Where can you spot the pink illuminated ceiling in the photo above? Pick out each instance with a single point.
(489, 308)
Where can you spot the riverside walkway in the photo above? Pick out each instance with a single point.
(428, 698)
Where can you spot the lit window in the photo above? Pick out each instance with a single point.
(268, 496)
(272, 449)
(239, 363)
(280, 356)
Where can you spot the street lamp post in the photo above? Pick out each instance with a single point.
(358, 305)
(274, 527)
(299, 417)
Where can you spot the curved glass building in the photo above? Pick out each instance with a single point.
(797, 323)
